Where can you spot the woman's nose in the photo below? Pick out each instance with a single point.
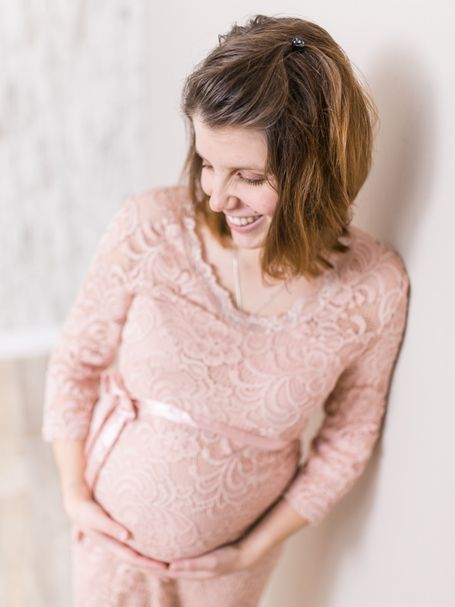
(221, 199)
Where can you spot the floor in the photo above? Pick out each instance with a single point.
(34, 531)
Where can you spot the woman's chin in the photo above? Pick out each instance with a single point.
(248, 241)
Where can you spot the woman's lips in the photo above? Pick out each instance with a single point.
(249, 227)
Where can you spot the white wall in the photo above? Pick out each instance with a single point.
(89, 112)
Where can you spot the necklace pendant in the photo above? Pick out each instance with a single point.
(238, 292)
(235, 267)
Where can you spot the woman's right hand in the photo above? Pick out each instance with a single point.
(89, 517)
(84, 512)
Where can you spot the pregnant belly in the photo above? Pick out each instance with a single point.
(182, 491)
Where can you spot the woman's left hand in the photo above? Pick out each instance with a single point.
(226, 559)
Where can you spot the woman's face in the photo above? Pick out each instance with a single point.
(233, 176)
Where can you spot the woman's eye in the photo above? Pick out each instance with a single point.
(257, 181)
(252, 181)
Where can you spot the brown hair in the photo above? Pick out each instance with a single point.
(318, 122)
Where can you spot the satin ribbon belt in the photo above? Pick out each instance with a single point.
(116, 408)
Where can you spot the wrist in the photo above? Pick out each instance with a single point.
(70, 485)
(77, 488)
(256, 543)
(274, 527)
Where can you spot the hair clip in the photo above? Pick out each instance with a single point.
(297, 43)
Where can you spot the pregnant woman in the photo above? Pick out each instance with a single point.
(217, 315)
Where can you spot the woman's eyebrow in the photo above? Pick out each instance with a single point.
(251, 168)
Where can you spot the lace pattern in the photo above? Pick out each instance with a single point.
(150, 299)
(229, 310)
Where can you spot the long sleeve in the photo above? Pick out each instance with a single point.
(354, 413)
(90, 335)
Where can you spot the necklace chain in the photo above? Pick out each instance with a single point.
(238, 293)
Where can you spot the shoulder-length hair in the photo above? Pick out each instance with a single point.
(318, 122)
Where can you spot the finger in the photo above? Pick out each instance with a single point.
(191, 575)
(123, 550)
(76, 533)
(126, 552)
(101, 521)
(205, 563)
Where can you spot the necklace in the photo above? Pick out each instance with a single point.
(238, 294)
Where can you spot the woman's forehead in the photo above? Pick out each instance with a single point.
(233, 147)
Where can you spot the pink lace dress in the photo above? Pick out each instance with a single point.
(195, 432)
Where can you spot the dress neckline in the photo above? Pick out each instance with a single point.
(226, 299)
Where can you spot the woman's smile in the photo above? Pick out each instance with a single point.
(244, 223)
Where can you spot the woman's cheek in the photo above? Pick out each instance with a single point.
(265, 202)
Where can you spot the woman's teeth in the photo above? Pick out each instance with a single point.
(243, 221)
